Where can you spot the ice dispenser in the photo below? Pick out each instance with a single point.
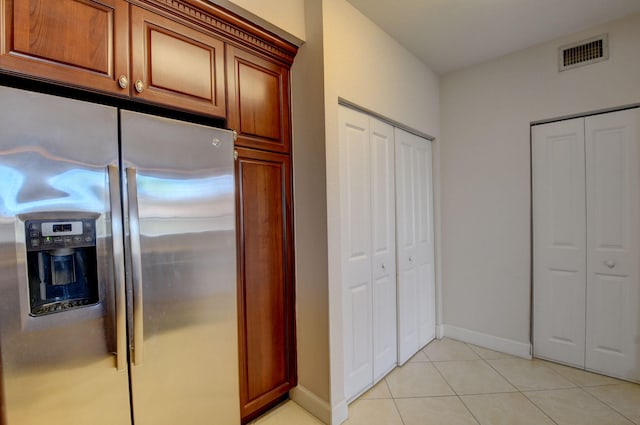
(61, 263)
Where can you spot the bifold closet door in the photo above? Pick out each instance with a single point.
(559, 240)
(355, 200)
(613, 243)
(415, 240)
(586, 236)
(383, 245)
(368, 249)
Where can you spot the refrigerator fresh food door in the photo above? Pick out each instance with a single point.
(180, 233)
(59, 322)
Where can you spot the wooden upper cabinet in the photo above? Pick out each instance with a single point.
(258, 101)
(176, 65)
(77, 42)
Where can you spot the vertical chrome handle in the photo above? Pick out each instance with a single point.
(136, 266)
(118, 267)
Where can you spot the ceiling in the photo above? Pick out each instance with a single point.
(449, 35)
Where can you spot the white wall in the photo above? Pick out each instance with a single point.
(485, 165)
(364, 65)
(312, 303)
(282, 17)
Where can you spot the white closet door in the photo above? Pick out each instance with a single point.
(613, 254)
(383, 232)
(416, 304)
(355, 200)
(425, 253)
(559, 241)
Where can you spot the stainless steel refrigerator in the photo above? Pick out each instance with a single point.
(117, 266)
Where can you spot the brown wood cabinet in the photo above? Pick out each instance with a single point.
(85, 43)
(76, 42)
(266, 291)
(194, 56)
(258, 99)
(176, 65)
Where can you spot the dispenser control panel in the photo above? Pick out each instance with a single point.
(61, 264)
(44, 235)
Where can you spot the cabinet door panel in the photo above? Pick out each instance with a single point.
(267, 342)
(258, 95)
(176, 64)
(77, 42)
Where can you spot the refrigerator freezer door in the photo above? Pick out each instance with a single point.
(57, 368)
(185, 361)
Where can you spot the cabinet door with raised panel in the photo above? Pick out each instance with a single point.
(265, 286)
(258, 98)
(81, 43)
(176, 65)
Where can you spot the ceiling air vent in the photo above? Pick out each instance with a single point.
(584, 52)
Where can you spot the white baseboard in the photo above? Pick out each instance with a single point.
(439, 331)
(340, 413)
(311, 403)
(496, 343)
(319, 407)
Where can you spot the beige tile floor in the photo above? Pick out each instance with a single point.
(453, 383)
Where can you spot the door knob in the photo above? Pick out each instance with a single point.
(123, 82)
(611, 264)
(139, 86)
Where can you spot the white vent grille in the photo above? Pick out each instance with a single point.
(584, 52)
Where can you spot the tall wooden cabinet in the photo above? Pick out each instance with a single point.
(195, 57)
(258, 110)
(265, 288)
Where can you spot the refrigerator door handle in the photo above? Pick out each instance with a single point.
(118, 266)
(136, 266)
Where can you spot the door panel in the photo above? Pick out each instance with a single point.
(559, 241)
(258, 97)
(176, 65)
(408, 284)
(415, 253)
(383, 247)
(77, 42)
(57, 368)
(356, 256)
(184, 353)
(266, 287)
(613, 244)
(425, 238)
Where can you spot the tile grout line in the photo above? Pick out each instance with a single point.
(455, 392)
(394, 400)
(578, 386)
(607, 404)
(519, 391)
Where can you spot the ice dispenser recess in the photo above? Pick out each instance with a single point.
(61, 263)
